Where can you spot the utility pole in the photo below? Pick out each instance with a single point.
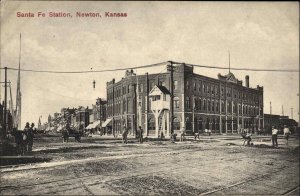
(170, 68)
(282, 111)
(292, 112)
(5, 104)
(270, 107)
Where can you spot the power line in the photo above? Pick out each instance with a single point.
(244, 69)
(154, 65)
(90, 71)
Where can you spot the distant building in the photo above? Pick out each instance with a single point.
(222, 105)
(278, 121)
(82, 116)
(99, 110)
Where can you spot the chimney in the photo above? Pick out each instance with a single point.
(247, 81)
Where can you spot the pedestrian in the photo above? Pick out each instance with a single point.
(18, 140)
(124, 135)
(286, 133)
(140, 134)
(161, 135)
(24, 139)
(197, 135)
(209, 132)
(30, 136)
(182, 133)
(274, 136)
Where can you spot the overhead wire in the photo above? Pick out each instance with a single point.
(153, 65)
(89, 71)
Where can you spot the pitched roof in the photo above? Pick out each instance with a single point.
(163, 89)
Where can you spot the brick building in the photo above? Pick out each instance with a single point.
(222, 105)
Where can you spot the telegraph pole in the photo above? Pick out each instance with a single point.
(5, 104)
(292, 113)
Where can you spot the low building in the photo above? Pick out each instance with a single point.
(279, 121)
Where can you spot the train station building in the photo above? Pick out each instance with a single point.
(222, 105)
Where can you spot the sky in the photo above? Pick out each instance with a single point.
(261, 35)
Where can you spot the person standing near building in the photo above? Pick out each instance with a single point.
(24, 139)
(140, 132)
(182, 133)
(124, 135)
(274, 136)
(30, 138)
(286, 133)
(197, 135)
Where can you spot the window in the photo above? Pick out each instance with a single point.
(223, 106)
(213, 106)
(151, 125)
(204, 104)
(200, 85)
(187, 84)
(176, 124)
(163, 84)
(176, 102)
(140, 87)
(195, 85)
(208, 105)
(195, 103)
(212, 89)
(217, 106)
(187, 102)
(228, 92)
(222, 91)
(200, 104)
(233, 111)
(175, 84)
(204, 88)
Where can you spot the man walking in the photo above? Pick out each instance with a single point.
(182, 134)
(124, 135)
(286, 133)
(274, 137)
(24, 139)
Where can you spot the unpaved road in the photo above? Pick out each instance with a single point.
(105, 167)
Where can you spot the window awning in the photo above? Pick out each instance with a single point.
(96, 124)
(106, 122)
(89, 126)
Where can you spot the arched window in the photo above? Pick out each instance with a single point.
(151, 124)
(176, 124)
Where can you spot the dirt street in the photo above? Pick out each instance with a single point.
(214, 165)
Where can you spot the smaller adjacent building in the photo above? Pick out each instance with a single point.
(279, 121)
